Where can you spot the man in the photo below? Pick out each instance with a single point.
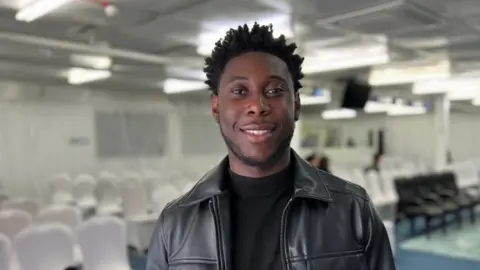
(263, 207)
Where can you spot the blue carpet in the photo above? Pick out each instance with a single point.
(406, 260)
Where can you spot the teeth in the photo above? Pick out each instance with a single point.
(256, 132)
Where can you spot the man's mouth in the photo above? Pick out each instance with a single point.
(258, 133)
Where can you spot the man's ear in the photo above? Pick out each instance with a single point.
(214, 102)
(297, 106)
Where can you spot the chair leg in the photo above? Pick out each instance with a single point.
(459, 218)
(444, 223)
(473, 215)
(428, 229)
(412, 226)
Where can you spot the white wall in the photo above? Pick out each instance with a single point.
(37, 124)
(412, 136)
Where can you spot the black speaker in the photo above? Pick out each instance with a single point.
(355, 95)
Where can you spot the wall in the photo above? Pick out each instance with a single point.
(37, 126)
(411, 136)
(44, 131)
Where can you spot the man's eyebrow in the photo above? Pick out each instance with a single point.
(243, 78)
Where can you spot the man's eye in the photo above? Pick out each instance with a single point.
(238, 91)
(274, 91)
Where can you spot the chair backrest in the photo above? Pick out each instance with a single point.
(163, 195)
(61, 183)
(44, 247)
(103, 242)
(69, 216)
(107, 190)
(13, 221)
(84, 187)
(26, 205)
(135, 201)
(5, 252)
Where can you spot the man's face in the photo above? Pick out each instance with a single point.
(256, 108)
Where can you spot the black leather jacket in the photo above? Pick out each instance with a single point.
(328, 224)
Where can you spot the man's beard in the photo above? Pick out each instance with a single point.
(269, 162)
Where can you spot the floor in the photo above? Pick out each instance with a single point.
(459, 249)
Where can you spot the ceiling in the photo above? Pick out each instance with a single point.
(150, 40)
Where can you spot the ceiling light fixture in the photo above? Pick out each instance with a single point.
(175, 86)
(339, 114)
(78, 76)
(39, 9)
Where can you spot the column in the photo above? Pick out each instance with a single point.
(297, 138)
(441, 125)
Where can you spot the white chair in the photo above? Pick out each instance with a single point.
(140, 222)
(26, 205)
(163, 195)
(13, 221)
(69, 216)
(5, 252)
(44, 247)
(108, 195)
(84, 192)
(103, 243)
(61, 189)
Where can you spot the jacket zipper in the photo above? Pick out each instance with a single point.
(216, 219)
(283, 235)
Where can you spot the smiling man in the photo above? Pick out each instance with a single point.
(263, 207)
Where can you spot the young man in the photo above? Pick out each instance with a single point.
(263, 207)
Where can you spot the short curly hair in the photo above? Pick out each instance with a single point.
(257, 39)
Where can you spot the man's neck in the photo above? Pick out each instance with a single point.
(238, 167)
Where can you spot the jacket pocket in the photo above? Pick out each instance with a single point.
(193, 264)
(349, 260)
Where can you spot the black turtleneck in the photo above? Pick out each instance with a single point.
(257, 208)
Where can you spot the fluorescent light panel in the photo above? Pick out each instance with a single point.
(339, 114)
(175, 86)
(345, 58)
(316, 100)
(38, 9)
(410, 74)
(206, 40)
(81, 76)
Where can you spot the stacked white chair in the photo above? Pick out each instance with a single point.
(5, 252)
(84, 192)
(13, 221)
(61, 189)
(44, 247)
(103, 243)
(108, 194)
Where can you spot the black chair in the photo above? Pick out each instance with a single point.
(412, 205)
(427, 188)
(446, 186)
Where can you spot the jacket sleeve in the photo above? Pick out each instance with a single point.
(378, 251)
(157, 252)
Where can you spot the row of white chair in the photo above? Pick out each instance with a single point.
(101, 242)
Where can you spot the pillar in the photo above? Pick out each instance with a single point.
(441, 125)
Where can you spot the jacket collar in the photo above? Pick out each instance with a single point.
(308, 183)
